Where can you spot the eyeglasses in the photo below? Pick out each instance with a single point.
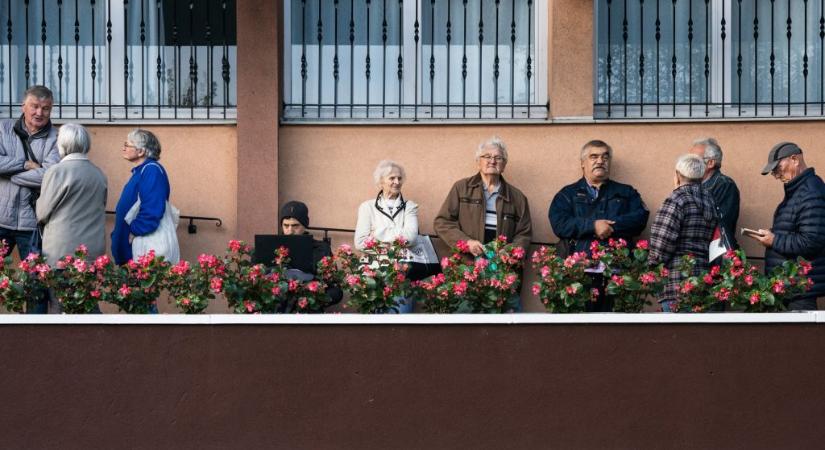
(492, 158)
(128, 145)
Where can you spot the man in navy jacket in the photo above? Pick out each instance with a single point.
(799, 221)
(596, 208)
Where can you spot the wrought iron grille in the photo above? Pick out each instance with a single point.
(710, 58)
(121, 59)
(414, 59)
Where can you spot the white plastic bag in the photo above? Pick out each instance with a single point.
(164, 240)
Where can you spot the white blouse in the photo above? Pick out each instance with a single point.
(382, 220)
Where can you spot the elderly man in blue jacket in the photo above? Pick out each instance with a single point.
(596, 208)
(799, 221)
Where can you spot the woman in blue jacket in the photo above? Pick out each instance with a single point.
(150, 183)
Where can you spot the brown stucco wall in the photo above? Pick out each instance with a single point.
(570, 78)
(689, 386)
(258, 108)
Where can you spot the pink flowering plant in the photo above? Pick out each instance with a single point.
(192, 287)
(696, 292)
(631, 281)
(376, 281)
(135, 286)
(741, 285)
(78, 285)
(252, 288)
(563, 286)
(489, 283)
(783, 283)
(29, 280)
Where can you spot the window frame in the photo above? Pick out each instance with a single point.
(539, 109)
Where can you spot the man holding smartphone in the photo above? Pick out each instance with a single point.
(799, 221)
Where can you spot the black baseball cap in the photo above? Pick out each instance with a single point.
(779, 151)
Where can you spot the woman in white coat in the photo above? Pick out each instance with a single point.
(389, 215)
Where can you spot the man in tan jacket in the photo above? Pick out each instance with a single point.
(480, 208)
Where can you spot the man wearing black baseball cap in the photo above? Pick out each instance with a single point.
(799, 221)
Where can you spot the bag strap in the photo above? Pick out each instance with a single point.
(719, 224)
(152, 164)
(26, 146)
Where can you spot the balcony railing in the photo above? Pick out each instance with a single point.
(710, 59)
(121, 59)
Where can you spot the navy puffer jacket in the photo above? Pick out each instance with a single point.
(799, 229)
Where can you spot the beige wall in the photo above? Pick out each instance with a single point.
(202, 165)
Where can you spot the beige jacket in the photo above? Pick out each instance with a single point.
(72, 206)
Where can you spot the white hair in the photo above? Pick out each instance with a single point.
(73, 138)
(384, 168)
(691, 167)
(712, 149)
(146, 140)
(494, 142)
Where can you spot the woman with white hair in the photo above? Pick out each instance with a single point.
(149, 184)
(72, 203)
(683, 226)
(389, 215)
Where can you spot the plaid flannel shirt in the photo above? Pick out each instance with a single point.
(683, 226)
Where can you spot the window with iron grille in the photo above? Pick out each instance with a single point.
(709, 58)
(414, 59)
(121, 59)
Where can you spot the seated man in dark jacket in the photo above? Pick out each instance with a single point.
(596, 208)
(799, 221)
(294, 220)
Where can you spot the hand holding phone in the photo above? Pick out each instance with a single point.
(751, 233)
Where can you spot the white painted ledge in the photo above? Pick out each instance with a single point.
(413, 319)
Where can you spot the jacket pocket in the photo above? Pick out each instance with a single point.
(508, 225)
(616, 205)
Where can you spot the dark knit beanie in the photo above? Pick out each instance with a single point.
(295, 210)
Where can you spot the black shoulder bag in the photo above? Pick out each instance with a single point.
(35, 192)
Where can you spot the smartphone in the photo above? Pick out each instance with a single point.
(750, 232)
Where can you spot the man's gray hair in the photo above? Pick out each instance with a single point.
(73, 138)
(494, 142)
(595, 143)
(691, 167)
(39, 92)
(146, 140)
(384, 168)
(712, 149)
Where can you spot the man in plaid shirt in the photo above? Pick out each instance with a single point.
(683, 226)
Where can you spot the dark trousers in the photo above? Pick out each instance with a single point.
(604, 302)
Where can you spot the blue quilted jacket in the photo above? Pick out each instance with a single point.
(799, 229)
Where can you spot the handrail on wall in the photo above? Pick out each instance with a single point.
(192, 228)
